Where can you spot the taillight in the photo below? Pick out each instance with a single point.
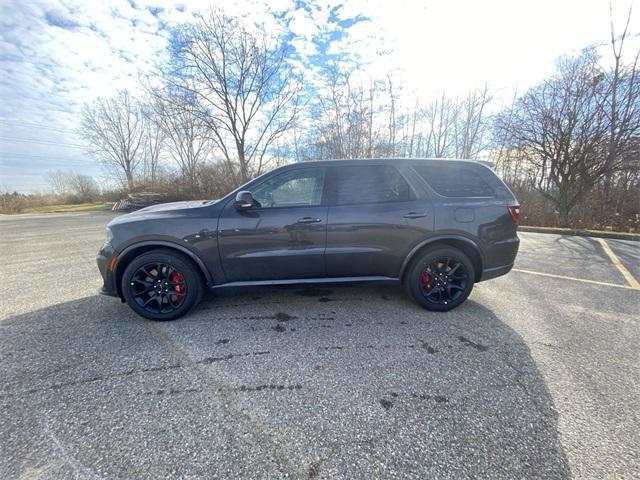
(514, 212)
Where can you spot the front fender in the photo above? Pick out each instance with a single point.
(124, 255)
(167, 244)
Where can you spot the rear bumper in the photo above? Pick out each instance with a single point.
(489, 273)
(499, 258)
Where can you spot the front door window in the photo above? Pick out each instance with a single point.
(297, 188)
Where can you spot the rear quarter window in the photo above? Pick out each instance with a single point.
(455, 180)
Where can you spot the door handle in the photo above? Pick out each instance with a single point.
(309, 220)
(415, 215)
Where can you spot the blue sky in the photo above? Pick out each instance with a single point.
(56, 55)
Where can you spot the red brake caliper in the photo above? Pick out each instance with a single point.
(425, 278)
(178, 280)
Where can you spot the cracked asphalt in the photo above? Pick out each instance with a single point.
(533, 377)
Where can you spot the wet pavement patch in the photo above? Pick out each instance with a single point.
(469, 343)
(314, 292)
(258, 388)
(157, 369)
(435, 398)
(174, 391)
(428, 347)
(314, 470)
(224, 358)
(283, 317)
(280, 316)
(210, 360)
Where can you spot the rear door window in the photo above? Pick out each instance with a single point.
(455, 180)
(354, 185)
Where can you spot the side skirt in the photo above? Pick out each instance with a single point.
(295, 281)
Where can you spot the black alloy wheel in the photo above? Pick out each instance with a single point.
(441, 279)
(158, 287)
(161, 285)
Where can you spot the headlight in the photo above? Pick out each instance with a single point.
(109, 235)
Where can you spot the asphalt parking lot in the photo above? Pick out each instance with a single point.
(536, 376)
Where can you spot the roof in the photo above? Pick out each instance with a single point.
(356, 161)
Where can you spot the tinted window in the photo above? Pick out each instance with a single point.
(296, 188)
(369, 184)
(454, 180)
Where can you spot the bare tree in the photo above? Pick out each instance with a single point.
(447, 127)
(114, 130)
(370, 113)
(440, 117)
(393, 98)
(58, 181)
(622, 102)
(500, 152)
(244, 89)
(84, 187)
(348, 120)
(471, 125)
(153, 143)
(354, 121)
(187, 136)
(413, 139)
(564, 127)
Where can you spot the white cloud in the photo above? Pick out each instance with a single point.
(303, 25)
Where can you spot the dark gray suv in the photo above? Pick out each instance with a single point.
(437, 226)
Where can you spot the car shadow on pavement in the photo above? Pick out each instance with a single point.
(310, 383)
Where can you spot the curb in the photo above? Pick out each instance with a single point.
(581, 233)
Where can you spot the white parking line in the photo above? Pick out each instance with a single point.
(618, 264)
(583, 280)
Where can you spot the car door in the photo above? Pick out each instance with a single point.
(283, 236)
(375, 218)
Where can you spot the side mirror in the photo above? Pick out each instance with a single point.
(244, 200)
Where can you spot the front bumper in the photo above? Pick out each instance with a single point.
(107, 293)
(104, 257)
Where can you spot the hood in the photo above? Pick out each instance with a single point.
(163, 207)
(163, 210)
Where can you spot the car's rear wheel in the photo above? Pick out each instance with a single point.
(440, 279)
(161, 285)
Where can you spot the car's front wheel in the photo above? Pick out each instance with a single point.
(440, 279)
(161, 285)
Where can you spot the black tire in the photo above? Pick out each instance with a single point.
(162, 285)
(440, 279)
